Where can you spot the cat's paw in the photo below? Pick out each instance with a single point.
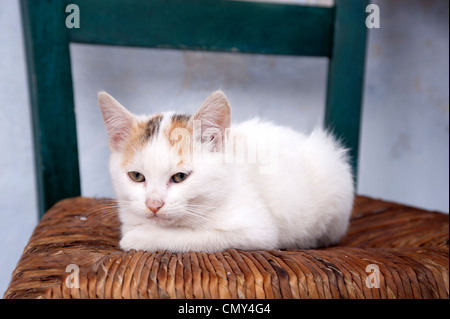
(125, 244)
(139, 239)
(129, 241)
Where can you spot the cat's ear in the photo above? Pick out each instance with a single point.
(118, 121)
(213, 118)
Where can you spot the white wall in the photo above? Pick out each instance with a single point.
(405, 127)
(405, 132)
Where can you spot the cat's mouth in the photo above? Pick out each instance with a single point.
(161, 218)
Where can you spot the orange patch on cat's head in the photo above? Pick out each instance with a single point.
(179, 135)
(140, 133)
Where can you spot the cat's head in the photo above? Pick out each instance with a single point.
(168, 167)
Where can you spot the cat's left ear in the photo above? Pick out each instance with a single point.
(118, 121)
(213, 118)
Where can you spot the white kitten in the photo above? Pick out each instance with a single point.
(193, 183)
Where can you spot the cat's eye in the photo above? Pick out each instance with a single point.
(179, 177)
(136, 176)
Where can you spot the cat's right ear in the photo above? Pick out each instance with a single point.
(118, 121)
(213, 118)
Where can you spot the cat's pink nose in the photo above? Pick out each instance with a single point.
(154, 205)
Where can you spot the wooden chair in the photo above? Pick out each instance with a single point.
(390, 251)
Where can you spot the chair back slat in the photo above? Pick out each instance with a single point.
(52, 103)
(229, 26)
(346, 76)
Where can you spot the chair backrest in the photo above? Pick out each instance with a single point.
(337, 32)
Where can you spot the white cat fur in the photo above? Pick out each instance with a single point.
(299, 195)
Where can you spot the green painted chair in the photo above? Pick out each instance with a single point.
(408, 259)
(338, 33)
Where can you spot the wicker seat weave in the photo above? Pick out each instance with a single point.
(390, 251)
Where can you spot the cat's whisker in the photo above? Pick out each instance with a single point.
(110, 209)
(193, 214)
(101, 211)
(201, 205)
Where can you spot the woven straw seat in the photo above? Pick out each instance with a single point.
(408, 245)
